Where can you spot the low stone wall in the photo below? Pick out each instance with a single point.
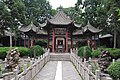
(83, 70)
(37, 64)
(29, 73)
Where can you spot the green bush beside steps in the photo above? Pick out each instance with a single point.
(86, 50)
(115, 53)
(114, 70)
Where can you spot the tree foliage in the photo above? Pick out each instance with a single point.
(101, 14)
(17, 13)
(37, 11)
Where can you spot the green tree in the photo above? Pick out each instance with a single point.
(12, 15)
(113, 23)
(4, 18)
(37, 11)
(101, 14)
(74, 14)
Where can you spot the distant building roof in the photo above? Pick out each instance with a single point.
(8, 33)
(29, 27)
(90, 28)
(105, 36)
(35, 29)
(77, 25)
(42, 32)
(43, 24)
(60, 19)
(78, 32)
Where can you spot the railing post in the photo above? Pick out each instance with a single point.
(5, 62)
(29, 58)
(38, 58)
(25, 71)
(15, 72)
(97, 72)
(90, 69)
(113, 60)
(90, 59)
(41, 57)
(85, 61)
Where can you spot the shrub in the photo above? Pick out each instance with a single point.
(3, 52)
(36, 51)
(114, 70)
(115, 53)
(95, 53)
(42, 43)
(81, 51)
(23, 51)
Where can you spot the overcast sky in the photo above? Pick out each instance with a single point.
(64, 3)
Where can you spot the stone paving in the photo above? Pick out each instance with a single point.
(49, 71)
(69, 72)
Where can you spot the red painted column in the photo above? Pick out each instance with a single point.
(25, 41)
(66, 41)
(53, 40)
(28, 43)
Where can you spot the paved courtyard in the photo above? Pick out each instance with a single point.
(58, 70)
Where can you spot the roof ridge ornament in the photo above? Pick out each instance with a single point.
(60, 8)
(31, 23)
(88, 22)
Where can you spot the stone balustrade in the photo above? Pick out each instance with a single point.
(84, 70)
(28, 73)
(37, 64)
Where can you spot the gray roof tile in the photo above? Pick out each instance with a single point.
(91, 28)
(60, 19)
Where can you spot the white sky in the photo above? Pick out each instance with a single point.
(64, 3)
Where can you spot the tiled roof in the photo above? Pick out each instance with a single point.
(42, 32)
(90, 28)
(60, 19)
(43, 24)
(77, 25)
(29, 27)
(78, 32)
(105, 36)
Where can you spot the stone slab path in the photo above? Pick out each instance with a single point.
(58, 70)
(69, 71)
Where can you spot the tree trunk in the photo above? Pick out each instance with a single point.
(115, 38)
(10, 38)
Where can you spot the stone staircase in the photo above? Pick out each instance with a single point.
(59, 56)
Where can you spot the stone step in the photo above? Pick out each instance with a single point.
(59, 57)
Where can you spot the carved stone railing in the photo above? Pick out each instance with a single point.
(37, 64)
(29, 73)
(85, 72)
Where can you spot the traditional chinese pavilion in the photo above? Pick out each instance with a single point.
(31, 34)
(60, 31)
(88, 34)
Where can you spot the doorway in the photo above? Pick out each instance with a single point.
(60, 44)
